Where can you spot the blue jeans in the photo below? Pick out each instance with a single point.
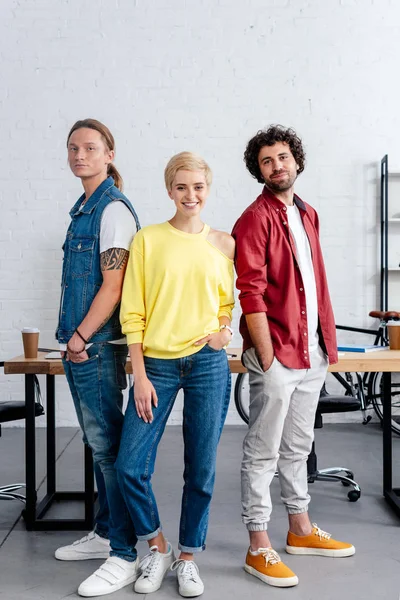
(96, 386)
(205, 379)
(102, 517)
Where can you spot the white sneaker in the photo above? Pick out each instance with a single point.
(113, 575)
(154, 567)
(90, 546)
(190, 583)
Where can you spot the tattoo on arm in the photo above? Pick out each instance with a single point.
(113, 259)
(108, 317)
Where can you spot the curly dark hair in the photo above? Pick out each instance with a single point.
(269, 137)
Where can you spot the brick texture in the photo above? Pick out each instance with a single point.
(170, 75)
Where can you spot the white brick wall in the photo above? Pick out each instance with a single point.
(170, 75)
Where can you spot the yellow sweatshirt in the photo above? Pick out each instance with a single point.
(176, 286)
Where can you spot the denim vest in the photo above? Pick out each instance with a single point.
(81, 273)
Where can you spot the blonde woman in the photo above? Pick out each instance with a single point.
(176, 312)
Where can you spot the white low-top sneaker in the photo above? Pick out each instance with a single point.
(154, 567)
(113, 575)
(190, 583)
(90, 546)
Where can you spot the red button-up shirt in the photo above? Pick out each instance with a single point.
(270, 281)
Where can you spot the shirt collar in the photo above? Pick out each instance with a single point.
(91, 203)
(276, 203)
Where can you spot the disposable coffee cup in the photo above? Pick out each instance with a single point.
(30, 338)
(394, 334)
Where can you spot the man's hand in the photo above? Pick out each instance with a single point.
(144, 395)
(75, 344)
(261, 338)
(266, 361)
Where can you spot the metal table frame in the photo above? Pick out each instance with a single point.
(35, 513)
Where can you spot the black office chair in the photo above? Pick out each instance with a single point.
(328, 403)
(14, 411)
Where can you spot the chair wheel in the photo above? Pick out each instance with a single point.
(353, 495)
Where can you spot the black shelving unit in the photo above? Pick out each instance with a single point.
(389, 246)
(384, 287)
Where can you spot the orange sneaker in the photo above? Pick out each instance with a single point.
(267, 566)
(318, 543)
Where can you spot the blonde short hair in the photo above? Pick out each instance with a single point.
(189, 161)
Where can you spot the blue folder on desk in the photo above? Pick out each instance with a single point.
(357, 348)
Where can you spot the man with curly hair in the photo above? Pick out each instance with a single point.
(288, 332)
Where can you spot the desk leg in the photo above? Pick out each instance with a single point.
(387, 432)
(391, 495)
(50, 434)
(30, 453)
(35, 513)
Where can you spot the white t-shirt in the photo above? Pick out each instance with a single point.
(117, 230)
(307, 272)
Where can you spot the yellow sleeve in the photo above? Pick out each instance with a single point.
(226, 296)
(133, 312)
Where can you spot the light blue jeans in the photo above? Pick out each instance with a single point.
(205, 380)
(96, 386)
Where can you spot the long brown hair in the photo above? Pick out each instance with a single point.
(108, 139)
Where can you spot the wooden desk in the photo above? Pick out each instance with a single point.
(371, 362)
(385, 361)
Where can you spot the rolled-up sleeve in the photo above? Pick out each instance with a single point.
(133, 313)
(250, 233)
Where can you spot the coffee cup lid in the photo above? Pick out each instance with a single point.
(394, 323)
(30, 330)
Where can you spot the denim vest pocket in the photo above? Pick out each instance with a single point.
(81, 256)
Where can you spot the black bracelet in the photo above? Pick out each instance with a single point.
(81, 336)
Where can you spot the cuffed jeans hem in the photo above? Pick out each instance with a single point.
(297, 511)
(257, 526)
(190, 550)
(149, 536)
(130, 558)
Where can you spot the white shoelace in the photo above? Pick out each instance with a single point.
(320, 533)
(86, 538)
(149, 563)
(270, 556)
(187, 570)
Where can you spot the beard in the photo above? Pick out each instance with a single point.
(281, 185)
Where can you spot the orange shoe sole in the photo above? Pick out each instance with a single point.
(338, 553)
(275, 581)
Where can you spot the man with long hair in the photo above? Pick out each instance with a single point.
(94, 351)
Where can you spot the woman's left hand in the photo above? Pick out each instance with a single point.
(216, 340)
